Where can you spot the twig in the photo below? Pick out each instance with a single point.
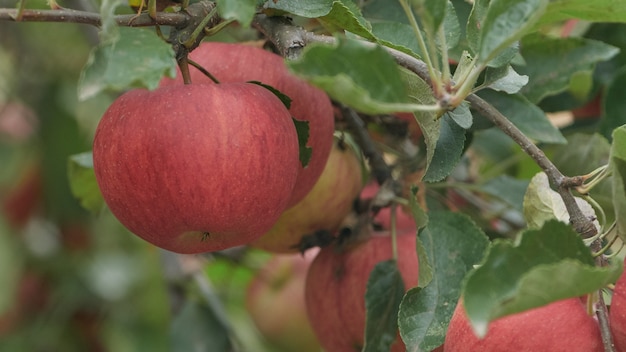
(178, 19)
(380, 169)
(603, 320)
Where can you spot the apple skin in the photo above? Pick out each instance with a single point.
(275, 301)
(336, 285)
(562, 326)
(324, 208)
(243, 63)
(197, 168)
(617, 314)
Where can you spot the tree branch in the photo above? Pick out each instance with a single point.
(177, 19)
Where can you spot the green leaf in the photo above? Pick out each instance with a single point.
(508, 189)
(542, 204)
(399, 36)
(504, 79)
(505, 22)
(594, 11)
(196, 328)
(302, 8)
(529, 118)
(284, 98)
(461, 115)
(419, 215)
(594, 149)
(362, 76)
(345, 15)
(302, 128)
(241, 11)
(137, 59)
(549, 264)
(448, 151)
(385, 289)
(614, 105)
(551, 62)
(618, 166)
(83, 182)
(453, 245)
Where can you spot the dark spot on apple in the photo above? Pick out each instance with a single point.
(205, 236)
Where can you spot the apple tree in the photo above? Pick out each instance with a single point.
(320, 175)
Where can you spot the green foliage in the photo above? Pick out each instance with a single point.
(453, 244)
(130, 57)
(385, 289)
(618, 166)
(551, 62)
(547, 264)
(361, 76)
(593, 11)
(196, 328)
(83, 182)
(614, 105)
(242, 11)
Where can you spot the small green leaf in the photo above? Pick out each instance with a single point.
(551, 62)
(399, 36)
(284, 98)
(504, 79)
(431, 13)
(302, 128)
(137, 59)
(542, 204)
(345, 15)
(419, 215)
(362, 76)
(618, 166)
(453, 244)
(461, 115)
(385, 289)
(302, 8)
(448, 151)
(529, 118)
(614, 105)
(549, 264)
(241, 11)
(505, 22)
(83, 182)
(594, 11)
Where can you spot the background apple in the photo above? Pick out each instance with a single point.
(336, 285)
(275, 301)
(242, 63)
(197, 168)
(324, 208)
(560, 326)
(617, 314)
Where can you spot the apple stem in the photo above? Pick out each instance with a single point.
(394, 233)
(603, 320)
(203, 70)
(183, 64)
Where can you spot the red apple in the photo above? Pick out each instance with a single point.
(242, 63)
(336, 285)
(197, 168)
(560, 326)
(324, 208)
(275, 301)
(617, 314)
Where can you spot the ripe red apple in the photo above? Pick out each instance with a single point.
(275, 301)
(197, 168)
(404, 220)
(617, 314)
(243, 63)
(562, 326)
(324, 208)
(336, 285)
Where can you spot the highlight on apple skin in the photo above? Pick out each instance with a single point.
(562, 326)
(617, 314)
(197, 168)
(235, 62)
